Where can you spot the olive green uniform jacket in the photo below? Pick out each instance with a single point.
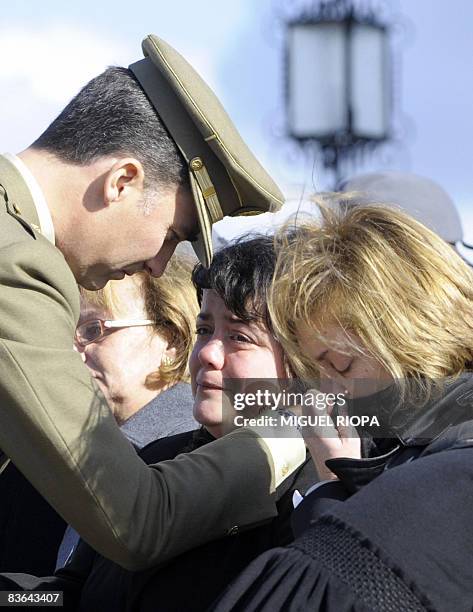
(58, 430)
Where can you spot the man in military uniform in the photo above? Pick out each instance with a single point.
(108, 189)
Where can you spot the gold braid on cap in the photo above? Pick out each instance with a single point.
(207, 188)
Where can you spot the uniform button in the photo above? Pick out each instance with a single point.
(196, 164)
(285, 469)
(233, 530)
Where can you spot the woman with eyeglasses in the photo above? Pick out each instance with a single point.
(135, 335)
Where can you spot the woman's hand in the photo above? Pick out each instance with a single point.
(328, 439)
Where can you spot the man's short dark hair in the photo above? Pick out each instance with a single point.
(241, 274)
(112, 115)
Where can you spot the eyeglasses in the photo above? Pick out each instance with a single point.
(96, 329)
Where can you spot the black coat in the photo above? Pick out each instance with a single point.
(30, 529)
(394, 533)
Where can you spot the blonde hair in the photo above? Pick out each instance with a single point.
(171, 302)
(381, 275)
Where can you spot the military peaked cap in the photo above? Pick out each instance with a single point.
(225, 176)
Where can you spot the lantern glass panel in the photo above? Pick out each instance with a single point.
(369, 83)
(317, 105)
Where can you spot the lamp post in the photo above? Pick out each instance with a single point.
(338, 80)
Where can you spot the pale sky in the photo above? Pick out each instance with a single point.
(49, 49)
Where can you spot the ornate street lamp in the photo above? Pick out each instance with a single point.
(338, 80)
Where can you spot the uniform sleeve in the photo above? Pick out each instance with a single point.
(58, 430)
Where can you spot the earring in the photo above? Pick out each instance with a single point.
(166, 361)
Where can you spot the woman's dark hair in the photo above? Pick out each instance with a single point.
(241, 274)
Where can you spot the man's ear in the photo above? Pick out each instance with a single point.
(124, 178)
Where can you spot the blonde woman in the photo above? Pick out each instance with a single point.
(136, 336)
(372, 302)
